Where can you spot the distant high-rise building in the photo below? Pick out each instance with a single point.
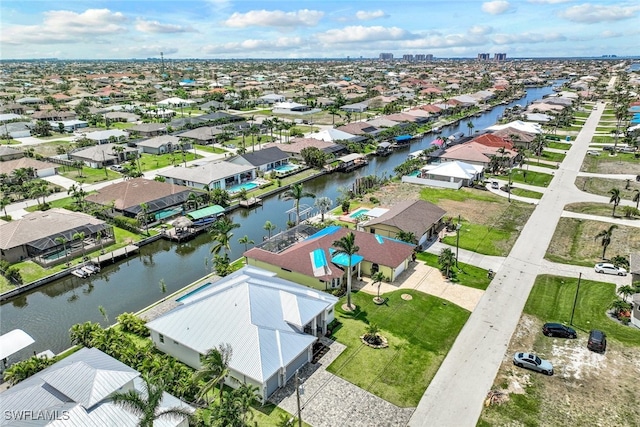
(499, 56)
(429, 57)
(484, 56)
(420, 57)
(386, 56)
(407, 57)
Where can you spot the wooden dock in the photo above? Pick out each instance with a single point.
(115, 255)
(250, 202)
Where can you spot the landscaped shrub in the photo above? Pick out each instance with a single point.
(132, 323)
(129, 224)
(22, 370)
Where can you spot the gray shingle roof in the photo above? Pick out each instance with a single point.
(415, 216)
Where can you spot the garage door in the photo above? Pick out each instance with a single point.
(297, 363)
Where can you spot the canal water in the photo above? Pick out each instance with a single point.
(48, 312)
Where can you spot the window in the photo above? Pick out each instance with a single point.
(161, 338)
(176, 342)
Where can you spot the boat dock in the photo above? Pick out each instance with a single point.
(115, 255)
(250, 202)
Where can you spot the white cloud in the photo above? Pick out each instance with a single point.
(608, 34)
(275, 18)
(591, 13)
(549, 1)
(358, 33)
(364, 15)
(497, 7)
(253, 45)
(156, 27)
(480, 30)
(63, 26)
(502, 39)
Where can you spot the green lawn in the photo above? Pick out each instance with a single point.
(90, 175)
(552, 157)
(420, 333)
(526, 193)
(532, 178)
(434, 195)
(466, 274)
(601, 209)
(210, 149)
(559, 145)
(480, 238)
(149, 162)
(552, 298)
(541, 164)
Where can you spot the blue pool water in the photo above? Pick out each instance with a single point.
(166, 213)
(286, 168)
(359, 212)
(193, 292)
(247, 186)
(319, 260)
(414, 173)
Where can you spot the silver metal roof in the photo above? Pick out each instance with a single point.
(261, 316)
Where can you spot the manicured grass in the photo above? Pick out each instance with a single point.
(420, 333)
(89, 175)
(526, 193)
(552, 297)
(559, 145)
(532, 178)
(5, 285)
(602, 139)
(150, 162)
(210, 149)
(605, 163)
(480, 238)
(466, 274)
(574, 242)
(541, 164)
(65, 203)
(552, 157)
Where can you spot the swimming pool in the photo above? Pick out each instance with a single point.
(286, 168)
(359, 212)
(415, 173)
(193, 292)
(166, 213)
(247, 186)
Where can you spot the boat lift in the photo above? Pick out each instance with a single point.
(12, 342)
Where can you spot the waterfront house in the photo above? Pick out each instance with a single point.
(216, 174)
(263, 160)
(419, 217)
(270, 323)
(161, 199)
(34, 236)
(447, 175)
(77, 391)
(311, 261)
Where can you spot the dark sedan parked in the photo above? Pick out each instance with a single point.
(558, 330)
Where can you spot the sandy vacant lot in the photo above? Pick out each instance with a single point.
(587, 388)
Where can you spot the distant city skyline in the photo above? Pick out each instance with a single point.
(225, 29)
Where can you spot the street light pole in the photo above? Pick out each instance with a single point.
(298, 400)
(509, 186)
(575, 299)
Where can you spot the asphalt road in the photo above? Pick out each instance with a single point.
(456, 394)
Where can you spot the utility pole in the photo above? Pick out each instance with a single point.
(297, 381)
(457, 239)
(575, 299)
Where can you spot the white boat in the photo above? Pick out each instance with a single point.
(90, 269)
(79, 272)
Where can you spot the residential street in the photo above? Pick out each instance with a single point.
(455, 396)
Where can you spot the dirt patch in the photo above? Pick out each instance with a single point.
(586, 389)
(602, 186)
(610, 164)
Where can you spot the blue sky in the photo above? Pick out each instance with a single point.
(320, 29)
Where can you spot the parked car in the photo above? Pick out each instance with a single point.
(593, 152)
(607, 268)
(495, 185)
(117, 168)
(558, 330)
(597, 341)
(533, 362)
(608, 148)
(627, 149)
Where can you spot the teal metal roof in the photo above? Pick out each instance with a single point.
(214, 210)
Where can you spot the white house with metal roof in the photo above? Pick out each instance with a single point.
(270, 323)
(76, 391)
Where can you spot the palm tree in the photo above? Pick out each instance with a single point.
(626, 291)
(222, 234)
(605, 236)
(615, 199)
(269, 226)
(80, 236)
(296, 192)
(142, 216)
(447, 259)
(470, 125)
(347, 245)
(4, 202)
(245, 241)
(636, 198)
(62, 241)
(378, 278)
(406, 236)
(214, 369)
(323, 204)
(146, 405)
